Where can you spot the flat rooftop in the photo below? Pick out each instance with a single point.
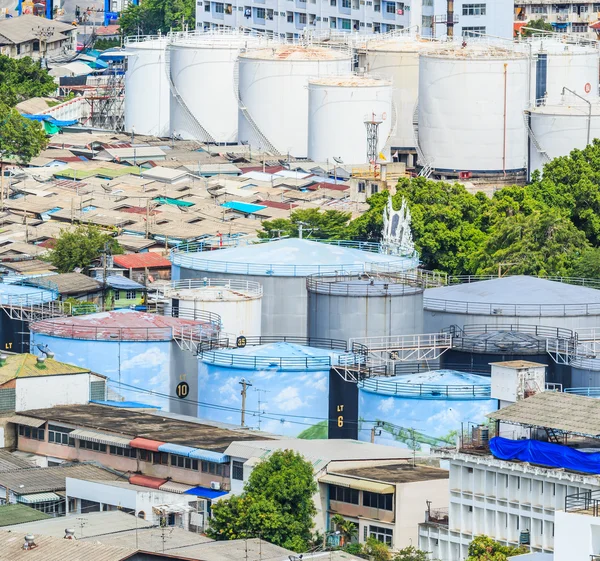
(397, 473)
(518, 364)
(145, 425)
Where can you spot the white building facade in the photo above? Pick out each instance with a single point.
(288, 19)
(501, 499)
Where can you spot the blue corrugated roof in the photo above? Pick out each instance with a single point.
(125, 404)
(123, 283)
(207, 455)
(243, 207)
(205, 493)
(176, 449)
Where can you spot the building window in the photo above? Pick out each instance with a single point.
(473, 10)
(427, 21)
(290, 17)
(473, 31)
(207, 7)
(238, 471)
(383, 535)
(343, 494)
(374, 188)
(219, 8)
(33, 433)
(346, 4)
(580, 28)
(215, 469)
(333, 3)
(390, 7)
(183, 462)
(260, 13)
(332, 23)
(94, 446)
(161, 458)
(126, 452)
(376, 500)
(362, 187)
(60, 435)
(302, 18)
(345, 24)
(539, 10)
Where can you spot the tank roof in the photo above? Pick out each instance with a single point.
(296, 53)
(292, 257)
(400, 45)
(520, 290)
(349, 81)
(567, 109)
(364, 285)
(22, 295)
(555, 46)
(480, 51)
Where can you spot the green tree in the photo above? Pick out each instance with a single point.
(347, 528)
(484, 548)
(79, 248)
(153, 16)
(20, 138)
(277, 504)
(102, 44)
(587, 265)
(23, 79)
(328, 225)
(536, 24)
(410, 553)
(376, 550)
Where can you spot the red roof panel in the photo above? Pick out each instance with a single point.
(148, 260)
(275, 204)
(146, 444)
(147, 481)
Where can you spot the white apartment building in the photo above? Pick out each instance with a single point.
(567, 17)
(288, 19)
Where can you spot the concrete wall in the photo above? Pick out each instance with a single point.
(576, 536)
(47, 391)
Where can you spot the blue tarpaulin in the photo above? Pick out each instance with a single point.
(51, 120)
(545, 454)
(205, 493)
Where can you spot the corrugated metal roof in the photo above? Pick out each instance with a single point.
(554, 410)
(123, 283)
(147, 481)
(146, 444)
(27, 366)
(103, 438)
(360, 484)
(38, 498)
(209, 456)
(206, 493)
(18, 514)
(247, 208)
(174, 487)
(10, 462)
(176, 449)
(27, 421)
(149, 259)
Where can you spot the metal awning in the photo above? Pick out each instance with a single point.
(27, 421)
(38, 498)
(174, 487)
(209, 456)
(359, 484)
(146, 444)
(101, 437)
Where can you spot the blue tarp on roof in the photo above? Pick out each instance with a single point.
(208, 456)
(97, 64)
(545, 454)
(248, 208)
(51, 120)
(124, 404)
(176, 449)
(123, 283)
(205, 493)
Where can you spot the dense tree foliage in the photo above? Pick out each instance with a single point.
(484, 548)
(153, 16)
(80, 247)
(328, 225)
(20, 138)
(378, 551)
(102, 43)
(22, 79)
(277, 504)
(536, 24)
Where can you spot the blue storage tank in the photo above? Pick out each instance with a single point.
(290, 383)
(422, 410)
(14, 332)
(145, 356)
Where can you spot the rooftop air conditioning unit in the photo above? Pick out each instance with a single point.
(215, 485)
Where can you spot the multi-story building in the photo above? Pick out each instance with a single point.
(289, 19)
(568, 17)
(514, 497)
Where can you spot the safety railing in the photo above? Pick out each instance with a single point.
(248, 288)
(587, 392)
(585, 502)
(426, 391)
(577, 281)
(42, 290)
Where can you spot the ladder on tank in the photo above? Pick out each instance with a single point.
(426, 168)
(534, 140)
(261, 138)
(199, 132)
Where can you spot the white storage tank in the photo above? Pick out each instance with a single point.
(202, 67)
(273, 90)
(397, 59)
(147, 93)
(471, 107)
(237, 302)
(337, 109)
(556, 64)
(559, 128)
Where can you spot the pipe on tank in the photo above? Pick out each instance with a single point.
(589, 125)
(504, 123)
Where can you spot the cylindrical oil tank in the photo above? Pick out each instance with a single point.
(559, 128)
(202, 67)
(137, 351)
(273, 89)
(518, 300)
(338, 110)
(556, 64)
(475, 347)
(363, 305)
(288, 391)
(14, 332)
(147, 92)
(397, 59)
(585, 376)
(471, 105)
(281, 268)
(421, 411)
(238, 303)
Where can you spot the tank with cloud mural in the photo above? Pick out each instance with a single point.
(421, 411)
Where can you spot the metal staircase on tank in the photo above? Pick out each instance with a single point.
(199, 132)
(534, 140)
(426, 168)
(262, 140)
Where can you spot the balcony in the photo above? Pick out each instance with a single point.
(586, 502)
(437, 517)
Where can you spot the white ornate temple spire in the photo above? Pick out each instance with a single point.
(396, 235)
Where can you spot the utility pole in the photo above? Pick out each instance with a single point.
(375, 431)
(245, 385)
(259, 404)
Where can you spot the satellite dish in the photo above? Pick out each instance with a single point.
(338, 160)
